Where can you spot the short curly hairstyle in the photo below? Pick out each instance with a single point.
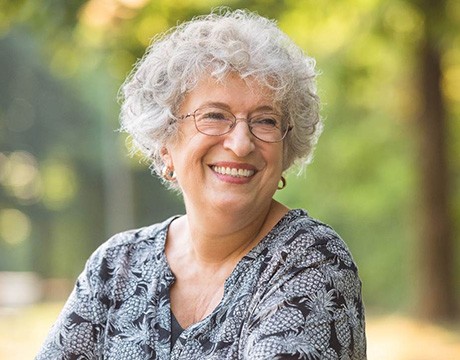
(216, 44)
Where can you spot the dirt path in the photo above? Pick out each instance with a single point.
(394, 337)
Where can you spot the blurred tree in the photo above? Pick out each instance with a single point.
(437, 300)
(48, 171)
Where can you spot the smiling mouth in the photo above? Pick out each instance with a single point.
(233, 171)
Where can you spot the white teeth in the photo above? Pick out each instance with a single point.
(233, 171)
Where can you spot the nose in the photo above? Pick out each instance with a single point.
(240, 140)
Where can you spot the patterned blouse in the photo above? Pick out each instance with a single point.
(295, 295)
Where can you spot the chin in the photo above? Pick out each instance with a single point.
(233, 203)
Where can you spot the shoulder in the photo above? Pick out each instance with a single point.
(304, 256)
(300, 237)
(307, 257)
(130, 243)
(310, 303)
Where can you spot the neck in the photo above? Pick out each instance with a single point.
(216, 238)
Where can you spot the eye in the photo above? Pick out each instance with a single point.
(212, 115)
(270, 121)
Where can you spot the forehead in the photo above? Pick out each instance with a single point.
(233, 92)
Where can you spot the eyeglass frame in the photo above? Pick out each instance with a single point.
(289, 127)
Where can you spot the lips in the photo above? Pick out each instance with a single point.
(233, 171)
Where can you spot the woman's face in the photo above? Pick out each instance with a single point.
(235, 171)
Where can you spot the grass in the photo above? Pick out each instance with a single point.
(395, 337)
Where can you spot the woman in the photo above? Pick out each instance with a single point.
(222, 106)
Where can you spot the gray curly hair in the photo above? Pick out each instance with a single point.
(216, 44)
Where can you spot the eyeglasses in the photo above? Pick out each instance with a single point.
(214, 121)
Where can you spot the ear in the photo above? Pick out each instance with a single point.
(166, 157)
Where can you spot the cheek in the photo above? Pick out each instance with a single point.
(189, 156)
(276, 157)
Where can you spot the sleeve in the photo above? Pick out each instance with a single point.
(77, 332)
(313, 309)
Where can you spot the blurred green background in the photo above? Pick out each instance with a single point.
(386, 173)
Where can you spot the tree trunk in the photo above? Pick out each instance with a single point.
(437, 301)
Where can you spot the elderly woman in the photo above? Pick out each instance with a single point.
(222, 106)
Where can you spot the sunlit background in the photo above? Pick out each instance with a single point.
(386, 173)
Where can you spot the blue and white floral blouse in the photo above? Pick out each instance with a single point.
(296, 295)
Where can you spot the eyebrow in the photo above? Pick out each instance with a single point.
(225, 106)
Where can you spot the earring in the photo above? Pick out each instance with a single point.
(283, 183)
(168, 173)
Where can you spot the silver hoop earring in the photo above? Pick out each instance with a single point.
(283, 183)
